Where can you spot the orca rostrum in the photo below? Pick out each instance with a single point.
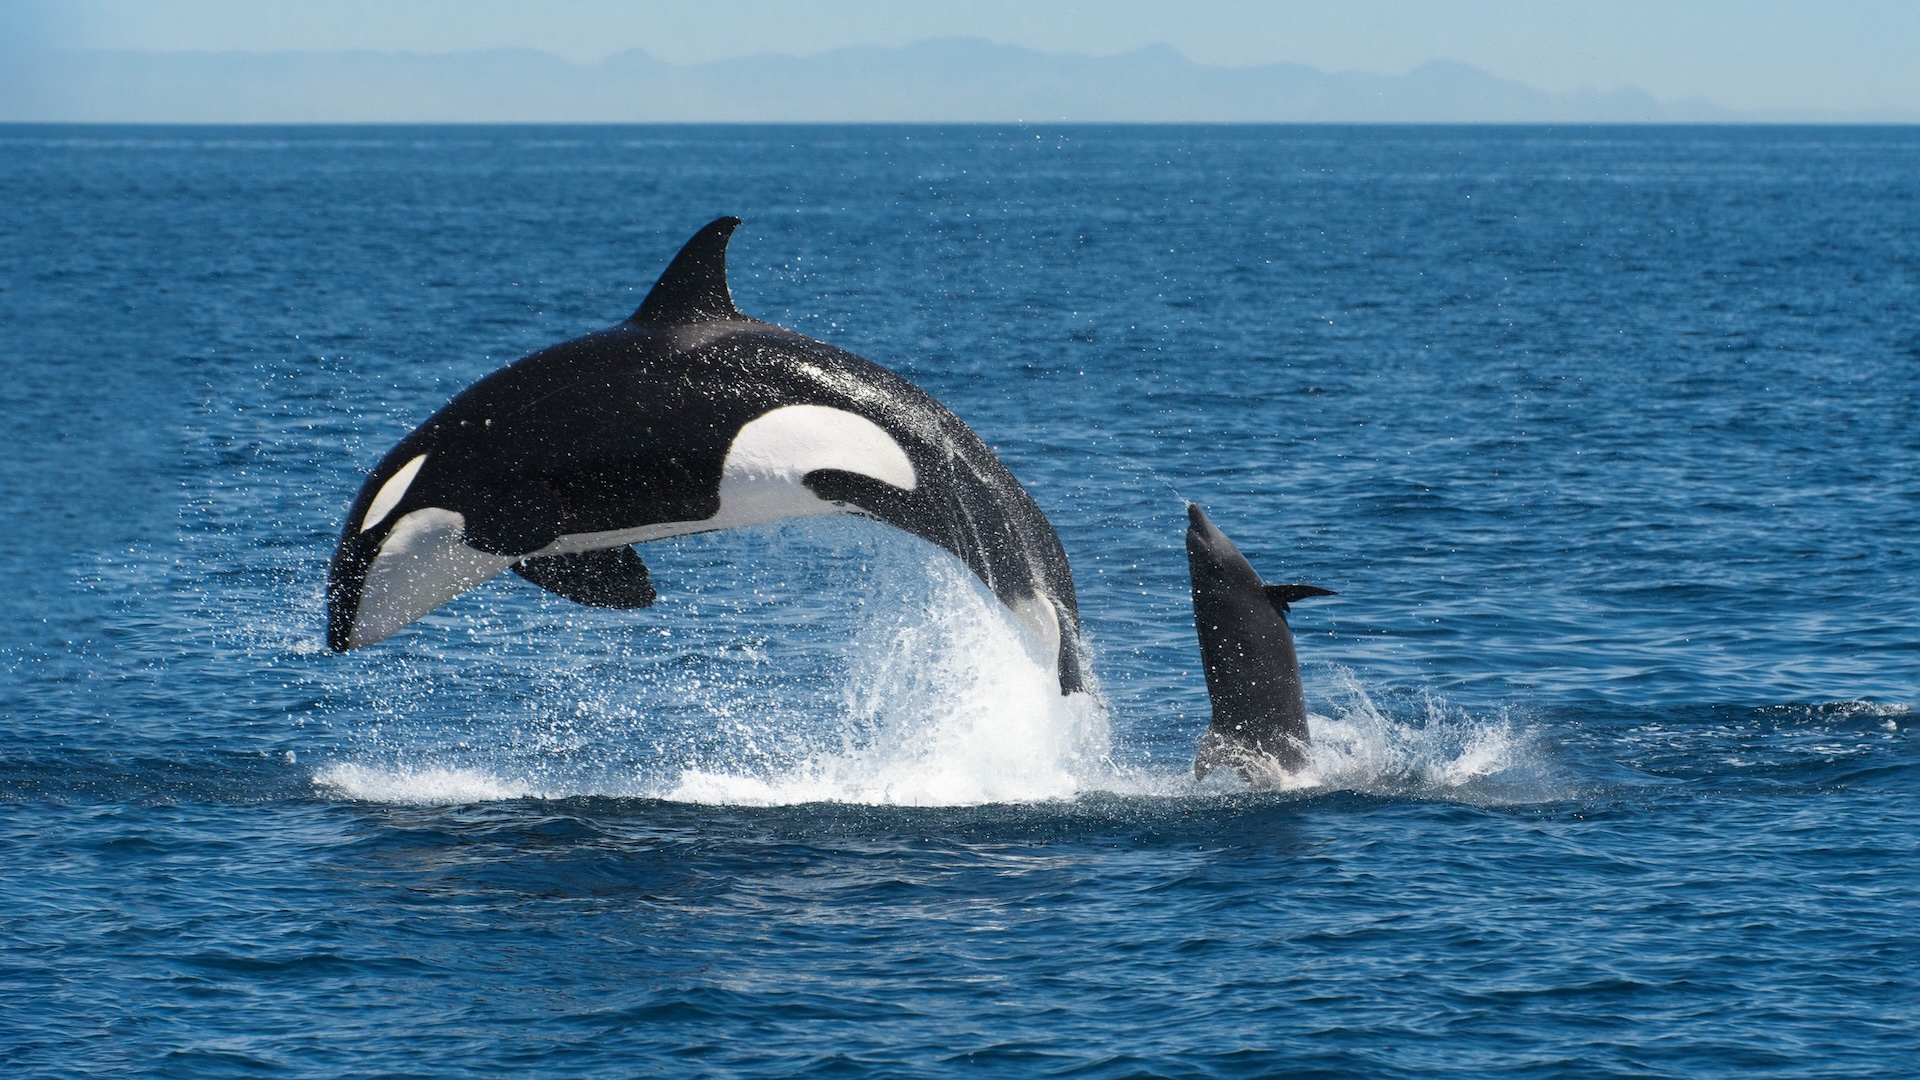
(1259, 720)
(689, 417)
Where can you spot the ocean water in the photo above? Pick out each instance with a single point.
(1605, 436)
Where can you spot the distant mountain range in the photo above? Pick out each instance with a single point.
(945, 80)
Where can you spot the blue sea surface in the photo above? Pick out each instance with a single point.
(1605, 436)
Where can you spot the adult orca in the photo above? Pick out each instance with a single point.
(689, 417)
(1253, 677)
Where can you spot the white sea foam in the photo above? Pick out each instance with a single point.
(963, 754)
(951, 734)
(417, 786)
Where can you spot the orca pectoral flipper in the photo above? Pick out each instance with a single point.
(610, 577)
(1282, 595)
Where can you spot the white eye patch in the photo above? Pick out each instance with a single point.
(391, 493)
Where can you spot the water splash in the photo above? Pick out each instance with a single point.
(893, 678)
(1415, 745)
(1429, 749)
(950, 705)
(952, 708)
(901, 681)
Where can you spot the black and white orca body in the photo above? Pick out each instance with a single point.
(689, 417)
(1253, 675)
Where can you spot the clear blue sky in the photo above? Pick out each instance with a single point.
(1743, 54)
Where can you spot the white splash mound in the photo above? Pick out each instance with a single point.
(948, 704)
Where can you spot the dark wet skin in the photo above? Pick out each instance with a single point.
(1253, 675)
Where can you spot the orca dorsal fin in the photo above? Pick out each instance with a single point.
(694, 288)
(1282, 595)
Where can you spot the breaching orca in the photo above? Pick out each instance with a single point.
(1259, 710)
(689, 417)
